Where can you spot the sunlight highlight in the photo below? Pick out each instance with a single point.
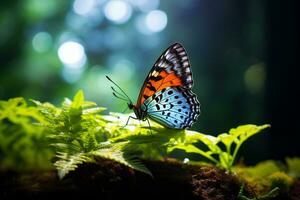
(72, 54)
(83, 7)
(117, 11)
(156, 20)
(42, 42)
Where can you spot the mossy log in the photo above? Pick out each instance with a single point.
(107, 179)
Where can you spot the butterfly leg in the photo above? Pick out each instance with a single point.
(128, 121)
(130, 117)
(149, 126)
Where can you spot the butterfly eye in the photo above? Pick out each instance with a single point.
(130, 106)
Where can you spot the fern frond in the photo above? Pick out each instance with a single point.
(136, 164)
(118, 154)
(89, 142)
(67, 163)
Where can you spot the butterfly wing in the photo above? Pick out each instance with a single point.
(174, 107)
(172, 69)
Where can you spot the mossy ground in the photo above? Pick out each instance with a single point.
(108, 179)
(94, 157)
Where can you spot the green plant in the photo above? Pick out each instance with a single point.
(266, 176)
(280, 180)
(224, 158)
(23, 144)
(78, 132)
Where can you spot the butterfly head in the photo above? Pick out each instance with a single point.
(139, 113)
(130, 105)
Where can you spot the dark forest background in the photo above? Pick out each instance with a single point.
(244, 56)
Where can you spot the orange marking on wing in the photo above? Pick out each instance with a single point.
(168, 80)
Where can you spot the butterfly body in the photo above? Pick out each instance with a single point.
(166, 95)
(140, 113)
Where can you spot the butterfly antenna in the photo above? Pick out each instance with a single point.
(118, 93)
(119, 97)
(119, 89)
(125, 109)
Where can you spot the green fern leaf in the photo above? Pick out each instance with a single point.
(117, 153)
(68, 163)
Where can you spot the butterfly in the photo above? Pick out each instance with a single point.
(166, 95)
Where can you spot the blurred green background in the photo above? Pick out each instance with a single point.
(50, 49)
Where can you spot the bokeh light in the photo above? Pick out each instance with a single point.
(255, 78)
(83, 7)
(117, 11)
(72, 54)
(42, 42)
(156, 20)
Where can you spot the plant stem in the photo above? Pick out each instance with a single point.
(234, 154)
(209, 157)
(229, 163)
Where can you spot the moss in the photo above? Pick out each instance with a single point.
(293, 165)
(111, 180)
(280, 180)
(266, 176)
(256, 175)
(108, 179)
(262, 169)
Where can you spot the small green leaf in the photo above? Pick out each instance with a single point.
(226, 139)
(187, 148)
(88, 104)
(93, 110)
(78, 100)
(245, 131)
(210, 141)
